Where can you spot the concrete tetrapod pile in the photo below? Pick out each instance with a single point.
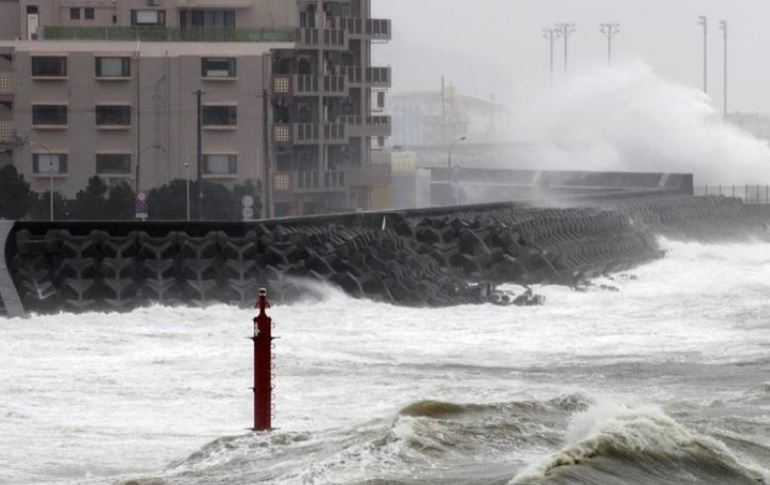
(434, 257)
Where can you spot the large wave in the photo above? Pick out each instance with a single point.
(629, 118)
(614, 443)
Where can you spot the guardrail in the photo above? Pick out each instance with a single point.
(749, 194)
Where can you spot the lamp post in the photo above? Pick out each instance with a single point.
(704, 22)
(50, 176)
(723, 28)
(187, 184)
(451, 172)
(610, 30)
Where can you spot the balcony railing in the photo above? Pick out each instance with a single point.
(315, 38)
(378, 76)
(167, 34)
(374, 125)
(309, 85)
(309, 133)
(309, 181)
(6, 82)
(375, 29)
(7, 132)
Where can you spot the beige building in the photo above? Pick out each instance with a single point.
(289, 97)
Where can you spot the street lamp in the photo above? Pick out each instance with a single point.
(452, 181)
(50, 175)
(187, 179)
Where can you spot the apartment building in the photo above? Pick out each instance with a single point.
(288, 96)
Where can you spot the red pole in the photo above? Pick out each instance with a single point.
(263, 391)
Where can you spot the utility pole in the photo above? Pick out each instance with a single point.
(199, 150)
(723, 27)
(551, 35)
(610, 30)
(565, 30)
(703, 22)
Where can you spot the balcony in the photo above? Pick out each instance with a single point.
(378, 77)
(309, 85)
(375, 126)
(309, 182)
(320, 39)
(309, 133)
(7, 87)
(7, 132)
(166, 34)
(358, 28)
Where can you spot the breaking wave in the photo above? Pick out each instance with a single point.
(618, 444)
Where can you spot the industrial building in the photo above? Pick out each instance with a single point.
(288, 96)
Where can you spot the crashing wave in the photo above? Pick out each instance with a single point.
(641, 439)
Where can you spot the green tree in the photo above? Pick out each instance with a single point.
(90, 202)
(16, 198)
(41, 208)
(121, 202)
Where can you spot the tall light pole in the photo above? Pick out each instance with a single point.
(610, 30)
(452, 180)
(704, 22)
(565, 30)
(50, 176)
(551, 35)
(723, 27)
(187, 184)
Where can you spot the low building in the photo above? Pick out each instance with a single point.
(286, 90)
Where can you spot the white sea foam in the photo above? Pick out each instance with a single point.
(127, 394)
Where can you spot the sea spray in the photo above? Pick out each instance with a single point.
(630, 118)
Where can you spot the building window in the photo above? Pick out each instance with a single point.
(148, 17)
(45, 163)
(113, 163)
(49, 115)
(113, 67)
(224, 164)
(113, 115)
(220, 116)
(75, 14)
(49, 66)
(89, 13)
(221, 67)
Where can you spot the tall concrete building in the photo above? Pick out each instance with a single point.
(289, 97)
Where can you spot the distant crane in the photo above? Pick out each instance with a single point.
(610, 30)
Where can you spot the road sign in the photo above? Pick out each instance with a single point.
(142, 210)
(248, 213)
(247, 201)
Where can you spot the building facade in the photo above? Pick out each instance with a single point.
(288, 96)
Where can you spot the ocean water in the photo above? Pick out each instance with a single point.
(665, 381)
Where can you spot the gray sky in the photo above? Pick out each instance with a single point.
(496, 47)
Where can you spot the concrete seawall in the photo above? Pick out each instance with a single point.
(421, 257)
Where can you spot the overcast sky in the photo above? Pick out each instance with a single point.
(495, 47)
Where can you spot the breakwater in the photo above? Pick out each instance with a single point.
(430, 257)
